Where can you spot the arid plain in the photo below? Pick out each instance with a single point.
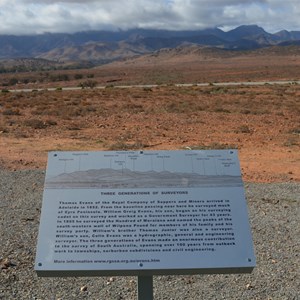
(262, 121)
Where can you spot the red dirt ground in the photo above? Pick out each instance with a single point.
(262, 122)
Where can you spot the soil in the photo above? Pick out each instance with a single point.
(261, 121)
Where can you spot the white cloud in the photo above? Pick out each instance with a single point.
(38, 16)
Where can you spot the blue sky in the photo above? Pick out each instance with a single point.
(39, 16)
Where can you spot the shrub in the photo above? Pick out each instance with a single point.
(295, 131)
(60, 77)
(13, 81)
(78, 76)
(11, 112)
(3, 129)
(50, 123)
(221, 110)
(88, 84)
(35, 123)
(243, 129)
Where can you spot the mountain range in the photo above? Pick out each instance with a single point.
(101, 47)
(126, 178)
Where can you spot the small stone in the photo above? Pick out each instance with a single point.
(110, 280)
(83, 288)
(5, 264)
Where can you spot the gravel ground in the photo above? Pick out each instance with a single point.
(274, 217)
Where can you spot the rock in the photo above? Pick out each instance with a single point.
(5, 264)
(249, 286)
(83, 288)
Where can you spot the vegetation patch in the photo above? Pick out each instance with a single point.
(11, 112)
(243, 129)
(39, 124)
(213, 146)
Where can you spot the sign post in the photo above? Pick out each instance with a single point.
(145, 287)
(144, 213)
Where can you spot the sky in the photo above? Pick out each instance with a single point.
(23, 17)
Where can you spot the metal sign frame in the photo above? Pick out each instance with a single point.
(144, 213)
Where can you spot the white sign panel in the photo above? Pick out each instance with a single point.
(143, 213)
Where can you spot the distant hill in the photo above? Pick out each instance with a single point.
(100, 47)
(191, 54)
(99, 52)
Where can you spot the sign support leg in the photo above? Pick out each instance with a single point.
(145, 287)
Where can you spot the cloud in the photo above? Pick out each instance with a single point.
(38, 16)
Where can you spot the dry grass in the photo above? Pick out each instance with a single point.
(96, 107)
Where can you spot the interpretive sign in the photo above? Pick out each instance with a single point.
(144, 213)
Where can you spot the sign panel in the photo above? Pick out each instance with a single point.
(143, 213)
